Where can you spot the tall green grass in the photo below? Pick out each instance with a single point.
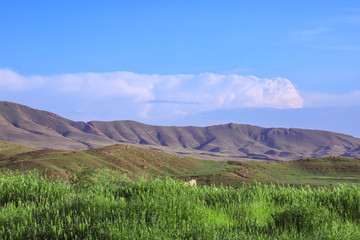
(113, 207)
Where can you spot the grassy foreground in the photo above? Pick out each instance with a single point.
(116, 207)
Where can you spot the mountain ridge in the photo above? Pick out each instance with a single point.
(24, 125)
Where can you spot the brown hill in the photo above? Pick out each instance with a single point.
(24, 125)
(138, 162)
(27, 126)
(133, 161)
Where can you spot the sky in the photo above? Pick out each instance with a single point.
(268, 63)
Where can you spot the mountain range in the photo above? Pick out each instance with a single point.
(27, 126)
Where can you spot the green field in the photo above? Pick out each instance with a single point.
(125, 192)
(116, 207)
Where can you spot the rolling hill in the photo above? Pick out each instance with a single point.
(139, 162)
(31, 127)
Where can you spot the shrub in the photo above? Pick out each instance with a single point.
(81, 178)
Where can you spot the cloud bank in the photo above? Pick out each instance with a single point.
(140, 94)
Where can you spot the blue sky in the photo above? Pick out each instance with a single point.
(185, 62)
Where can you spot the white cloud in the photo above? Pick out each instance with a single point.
(314, 99)
(234, 91)
(136, 92)
(13, 81)
(105, 84)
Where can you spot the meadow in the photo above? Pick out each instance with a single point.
(103, 204)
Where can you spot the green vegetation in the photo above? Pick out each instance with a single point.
(320, 171)
(126, 192)
(139, 162)
(9, 149)
(115, 207)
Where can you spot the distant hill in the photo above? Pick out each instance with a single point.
(27, 126)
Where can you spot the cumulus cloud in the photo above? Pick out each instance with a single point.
(233, 91)
(182, 93)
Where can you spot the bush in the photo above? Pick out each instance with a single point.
(81, 178)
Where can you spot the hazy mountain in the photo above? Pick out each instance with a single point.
(24, 125)
(28, 126)
(334, 119)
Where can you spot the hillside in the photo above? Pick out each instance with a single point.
(133, 161)
(138, 162)
(27, 126)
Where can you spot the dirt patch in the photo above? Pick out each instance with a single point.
(243, 175)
